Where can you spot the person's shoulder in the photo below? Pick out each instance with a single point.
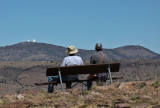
(66, 57)
(94, 54)
(78, 57)
(97, 53)
(71, 57)
(100, 52)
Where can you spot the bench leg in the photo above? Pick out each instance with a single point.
(60, 77)
(78, 83)
(74, 85)
(110, 76)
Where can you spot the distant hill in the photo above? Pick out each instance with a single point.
(30, 51)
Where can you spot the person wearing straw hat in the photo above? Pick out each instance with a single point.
(70, 60)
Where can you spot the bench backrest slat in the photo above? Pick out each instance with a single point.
(83, 69)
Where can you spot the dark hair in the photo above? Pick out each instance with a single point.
(71, 54)
(98, 47)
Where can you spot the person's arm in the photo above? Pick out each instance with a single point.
(92, 60)
(82, 62)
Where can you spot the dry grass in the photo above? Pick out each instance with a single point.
(126, 94)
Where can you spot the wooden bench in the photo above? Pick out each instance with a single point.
(82, 69)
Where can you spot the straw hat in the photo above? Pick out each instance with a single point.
(71, 50)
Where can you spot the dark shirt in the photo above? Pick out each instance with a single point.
(96, 58)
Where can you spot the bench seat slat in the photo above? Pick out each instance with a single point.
(83, 69)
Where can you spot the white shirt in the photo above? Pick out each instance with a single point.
(72, 60)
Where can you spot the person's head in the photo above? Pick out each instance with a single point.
(98, 47)
(71, 50)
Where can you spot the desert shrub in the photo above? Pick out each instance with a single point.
(156, 84)
(141, 85)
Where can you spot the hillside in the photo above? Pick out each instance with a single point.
(23, 64)
(29, 51)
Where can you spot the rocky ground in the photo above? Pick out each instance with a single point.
(133, 94)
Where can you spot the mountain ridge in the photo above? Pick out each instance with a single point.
(33, 51)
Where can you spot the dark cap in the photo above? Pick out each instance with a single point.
(98, 46)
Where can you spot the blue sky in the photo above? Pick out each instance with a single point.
(82, 23)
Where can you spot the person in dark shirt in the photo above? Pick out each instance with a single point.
(97, 58)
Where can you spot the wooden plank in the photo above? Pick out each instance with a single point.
(83, 69)
(52, 70)
(57, 82)
(45, 83)
(114, 78)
